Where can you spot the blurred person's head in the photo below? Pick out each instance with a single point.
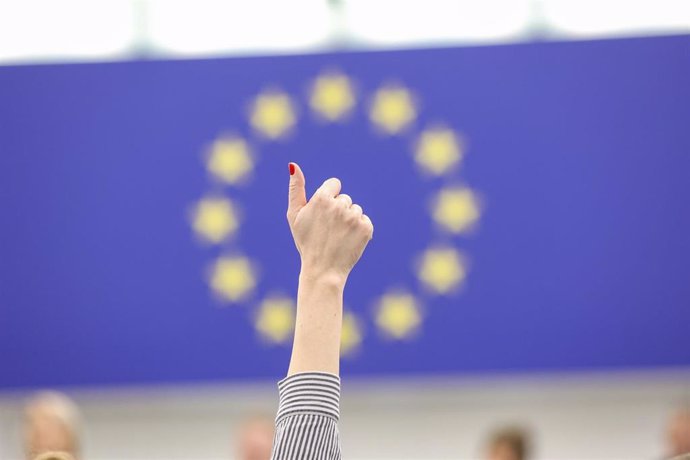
(678, 433)
(508, 444)
(51, 422)
(255, 438)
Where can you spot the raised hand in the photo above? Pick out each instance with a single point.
(330, 232)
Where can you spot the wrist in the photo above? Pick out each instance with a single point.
(326, 278)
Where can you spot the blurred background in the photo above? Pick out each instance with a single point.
(526, 164)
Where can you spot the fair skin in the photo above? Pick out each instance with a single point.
(256, 439)
(502, 452)
(45, 431)
(330, 233)
(678, 433)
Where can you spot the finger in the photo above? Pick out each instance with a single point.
(330, 188)
(297, 195)
(345, 199)
(366, 219)
(356, 209)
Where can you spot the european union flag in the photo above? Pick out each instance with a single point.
(530, 205)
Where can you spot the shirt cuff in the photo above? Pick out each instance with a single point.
(309, 393)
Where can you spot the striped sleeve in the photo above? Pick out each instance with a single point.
(307, 421)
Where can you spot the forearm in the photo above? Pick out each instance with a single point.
(307, 421)
(316, 346)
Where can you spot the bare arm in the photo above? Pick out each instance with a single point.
(330, 233)
(316, 344)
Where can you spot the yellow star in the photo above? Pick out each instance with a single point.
(276, 319)
(214, 219)
(351, 335)
(456, 209)
(273, 114)
(233, 278)
(441, 269)
(398, 315)
(438, 150)
(332, 96)
(230, 160)
(392, 109)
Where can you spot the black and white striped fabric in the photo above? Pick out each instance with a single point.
(307, 421)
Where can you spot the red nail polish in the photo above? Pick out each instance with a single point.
(291, 166)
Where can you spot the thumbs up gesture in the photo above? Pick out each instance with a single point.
(330, 232)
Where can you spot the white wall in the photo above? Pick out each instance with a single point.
(575, 416)
(86, 30)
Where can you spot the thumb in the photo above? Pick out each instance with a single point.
(297, 196)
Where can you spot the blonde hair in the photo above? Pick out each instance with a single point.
(54, 456)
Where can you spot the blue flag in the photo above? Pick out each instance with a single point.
(530, 204)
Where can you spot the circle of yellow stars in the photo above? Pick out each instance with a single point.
(438, 152)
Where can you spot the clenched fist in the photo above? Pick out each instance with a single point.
(329, 230)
